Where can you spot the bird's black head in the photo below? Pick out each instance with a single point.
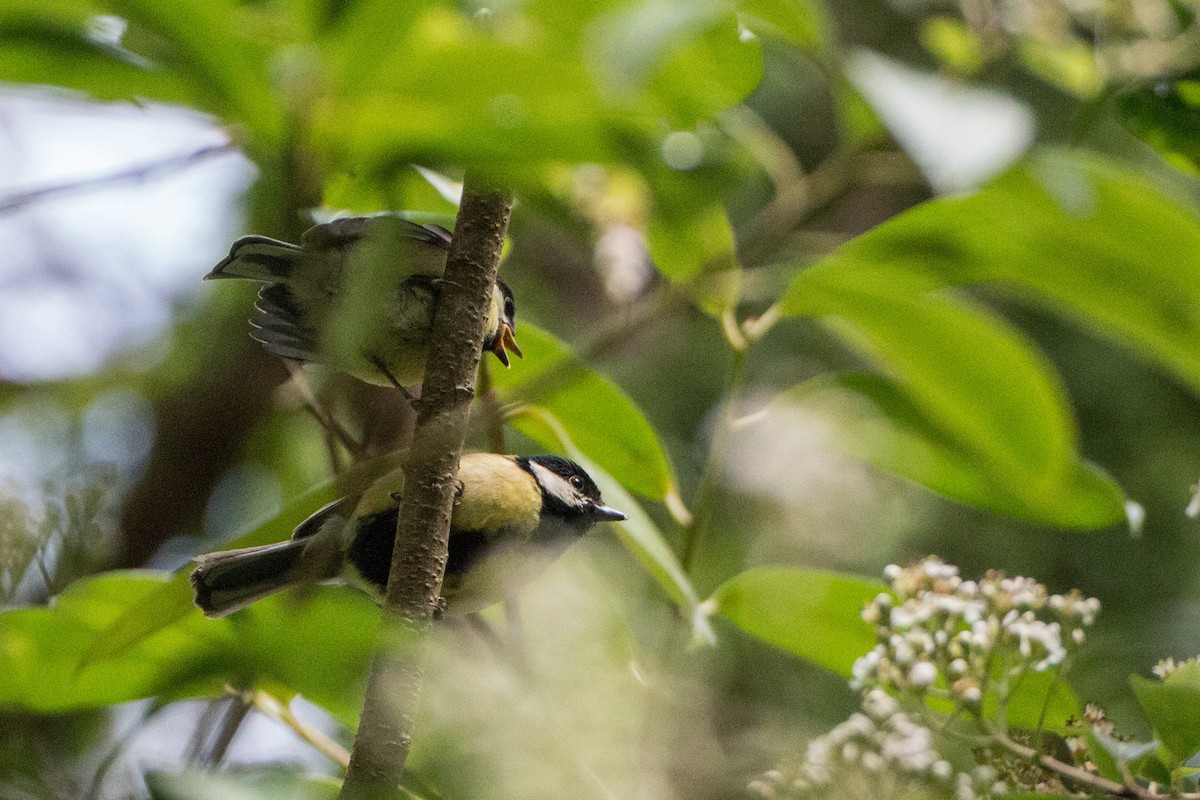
(568, 492)
(508, 313)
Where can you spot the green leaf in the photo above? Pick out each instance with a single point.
(685, 54)
(1039, 700)
(260, 784)
(1113, 756)
(870, 418)
(1173, 709)
(318, 644)
(41, 650)
(598, 417)
(801, 22)
(1075, 234)
(638, 533)
(1167, 117)
(470, 100)
(810, 613)
(694, 248)
(172, 601)
(212, 46)
(966, 394)
(51, 46)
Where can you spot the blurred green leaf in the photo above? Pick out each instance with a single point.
(317, 643)
(1039, 701)
(172, 601)
(489, 96)
(966, 394)
(599, 418)
(696, 250)
(50, 45)
(41, 650)
(1173, 709)
(872, 419)
(193, 52)
(260, 784)
(801, 22)
(1112, 755)
(810, 613)
(638, 533)
(1073, 233)
(715, 69)
(502, 109)
(213, 46)
(689, 54)
(1167, 117)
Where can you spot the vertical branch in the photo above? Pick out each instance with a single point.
(423, 528)
(490, 405)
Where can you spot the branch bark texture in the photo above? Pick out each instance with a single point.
(423, 528)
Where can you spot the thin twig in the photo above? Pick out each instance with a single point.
(1072, 772)
(18, 200)
(118, 749)
(235, 715)
(282, 714)
(204, 725)
(489, 403)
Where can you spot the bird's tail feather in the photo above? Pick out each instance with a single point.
(258, 258)
(228, 581)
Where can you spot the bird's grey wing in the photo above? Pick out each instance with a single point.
(338, 509)
(426, 246)
(346, 232)
(278, 326)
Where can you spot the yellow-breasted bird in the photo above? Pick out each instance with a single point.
(304, 284)
(514, 515)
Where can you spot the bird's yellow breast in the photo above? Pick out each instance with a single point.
(497, 494)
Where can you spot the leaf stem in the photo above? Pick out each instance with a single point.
(707, 491)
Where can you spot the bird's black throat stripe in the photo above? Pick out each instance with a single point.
(375, 538)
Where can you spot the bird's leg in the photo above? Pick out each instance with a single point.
(383, 370)
(319, 412)
(459, 488)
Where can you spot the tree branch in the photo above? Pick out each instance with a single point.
(423, 528)
(18, 200)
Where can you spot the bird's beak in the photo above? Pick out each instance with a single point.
(608, 513)
(504, 342)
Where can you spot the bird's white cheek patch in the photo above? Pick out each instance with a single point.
(555, 485)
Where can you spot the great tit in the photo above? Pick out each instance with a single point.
(304, 284)
(513, 516)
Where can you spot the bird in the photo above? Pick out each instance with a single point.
(513, 516)
(304, 284)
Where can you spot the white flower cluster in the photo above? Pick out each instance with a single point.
(881, 745)
(938, 632)
(1168, 666)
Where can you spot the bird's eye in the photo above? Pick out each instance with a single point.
(577, 481)
(509, 308)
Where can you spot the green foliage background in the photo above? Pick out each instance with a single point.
(829, 371)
